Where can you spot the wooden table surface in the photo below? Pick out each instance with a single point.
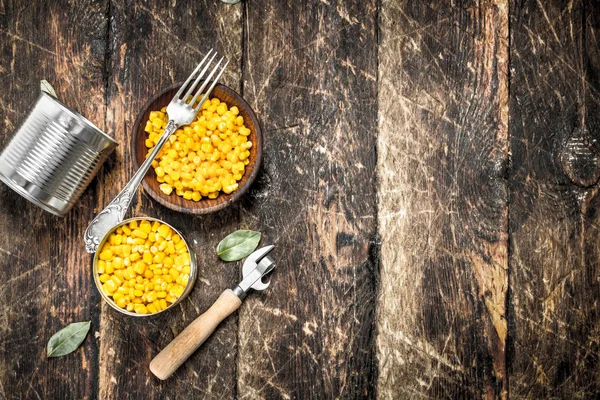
(430, 182)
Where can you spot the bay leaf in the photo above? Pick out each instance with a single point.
(68, 339)
(47, 87)
(238, 245)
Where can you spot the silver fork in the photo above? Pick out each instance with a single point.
(180, 112)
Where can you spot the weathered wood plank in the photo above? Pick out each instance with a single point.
(555, 104)
(44, 269)
(443, 92)
(310, 74)
(152, 46)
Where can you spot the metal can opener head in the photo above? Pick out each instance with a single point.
(256, 266)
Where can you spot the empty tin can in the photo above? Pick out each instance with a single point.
(54, 155)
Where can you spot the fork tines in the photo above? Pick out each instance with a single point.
(204, 64)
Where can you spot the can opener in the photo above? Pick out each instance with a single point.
(256, 266)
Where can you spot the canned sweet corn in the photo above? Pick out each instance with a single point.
(143, 267)
(204, 158)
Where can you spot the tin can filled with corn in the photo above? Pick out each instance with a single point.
(144, 266)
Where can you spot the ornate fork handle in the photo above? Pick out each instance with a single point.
(181, 111)
(115, 211)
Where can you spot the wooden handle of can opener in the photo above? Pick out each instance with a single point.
(188, 341)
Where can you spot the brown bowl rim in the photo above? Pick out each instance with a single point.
(231, 197)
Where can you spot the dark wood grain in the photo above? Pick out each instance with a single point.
(554, 103)
(44, 270)
(310, 74)
(428, 246)
(443, 199)
(205, 205)
(152, 46)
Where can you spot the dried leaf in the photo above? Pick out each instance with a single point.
(238, 245)
(47, 87)
(68, 339)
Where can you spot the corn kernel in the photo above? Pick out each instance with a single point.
(121, 302)
(139, 267)
(138, 233)
(164, 231)
(166, 188)
(106, 255)
(180, 245)
(170, 299)
(101, 266)
(170, 249)
(177, 291)
(146, 226)
(110, 286)
(158, 257)
(117, 263)
(140, 309)
(118, 281)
